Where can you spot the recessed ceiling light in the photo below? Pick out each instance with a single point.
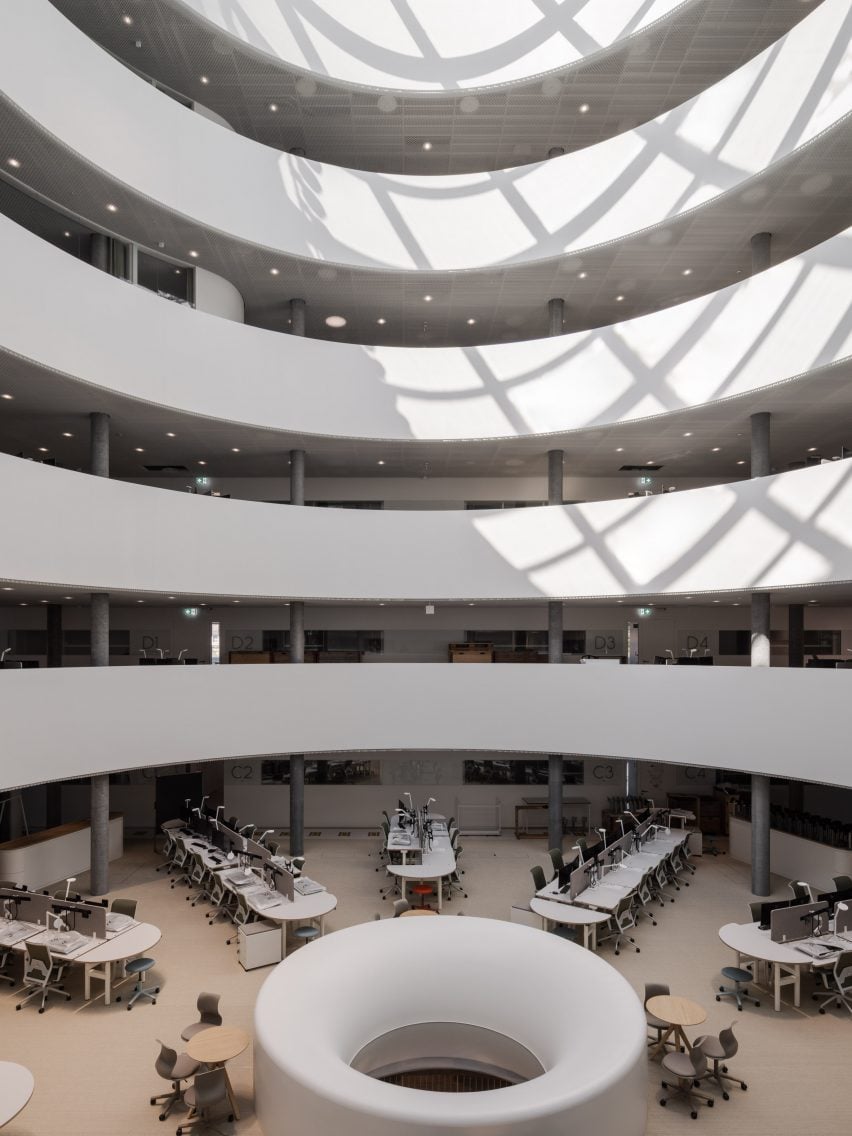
(741, 461)
(202, 463)
(235, 449)
(381, 321)
(235, 601)
(68, 597)
(111, 208)
(22, 604)
(427, 145)
(204, 80)
(811, 449)
(172, 597)
(169, 434)
(274, 271)
(687, 597)
(471, 604)
(471, 322)
(177, 272)
(67, 435)
(127, 20)
(140, 601)
(716, 449)
(583, 108)
(686, 272)
(619, 449)
(14, 163)
(335, 321)
(619, 601)
(139, 450)
(380, 462)
(44, 601)
(66, 233)
(43, 450)
(651, 462)
(582, 275)
(428, 299)
(812, 601)
(273, 107)
(8, 397)
(193, 253)
(735, 605)
(8, 589)
(688, 434)
(618, 299)
(715, 601)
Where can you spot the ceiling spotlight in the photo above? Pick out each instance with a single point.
(651, 462)
(140, 601)
(741, 461)
(14, 163)
(139, 450)
(22, 604)
(172, 597)
(67, 435)
(235, 449)
(582, 275)
(716, 449)
(618, 299)
(686, 272)
(583, 108)
(127, 20)
(68, 597)
(8, 397)
(471, 322)
(8, 589)
(428, 299)
(335, 321)
(111, 208)
(812, 449)
(688, 434)
(204, 80)
(381, 321)
(380, 462)
(43, 450)
(273, 271)
(66, 233)
(273, 107)
(202, 463)
(427, 145)
(619, 449)
(193, 253)
(235, 601)
(169, 434)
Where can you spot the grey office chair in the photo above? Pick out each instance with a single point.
(538, 876)
(222, 899)
(453, 880)
(122, 906)
(42, 975)
(654, 990)
(754, 907)
(689, 1068)
(175, 1067)
(556, 860)
(621, 920)
(72, 897)
(6, 955)
(400, 905)
(208, 1009)
(843, 883)
(241, 915)
(208, 1100)
(839, 984)
(801, 890)
(719, 1050)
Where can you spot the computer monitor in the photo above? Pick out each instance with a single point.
(766, 910)
(564, 875)
(402, 805)
(593, 851)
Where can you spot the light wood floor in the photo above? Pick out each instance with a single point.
(94, 1064)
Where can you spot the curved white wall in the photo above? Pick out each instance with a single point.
(429, 45)
(759, 115)
(218, 297)
(112, 718)
(93, 534)
(69, 318)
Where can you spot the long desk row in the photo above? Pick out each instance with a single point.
(437, 858)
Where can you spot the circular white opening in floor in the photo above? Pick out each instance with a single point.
(458, 1025)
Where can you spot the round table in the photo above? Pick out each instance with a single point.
(418, 911)
(678, 1013)
(787, 963)
(16, 1088)
(553, 911)
(215, 1046)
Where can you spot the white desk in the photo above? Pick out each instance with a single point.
(752, 944)
(303, 908)
(603, 897)
(16, 1088)
(433, 868)
(97, 962)
(552, 911)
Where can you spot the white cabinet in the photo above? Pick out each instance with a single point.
(258, 944)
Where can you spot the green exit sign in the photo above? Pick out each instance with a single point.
(644, 611)
(190, 612)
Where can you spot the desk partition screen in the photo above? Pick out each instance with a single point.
(787, 924)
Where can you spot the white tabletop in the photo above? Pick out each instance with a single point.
(302, 907)
(434, 865)
(135, 941)
(605, 896)
(16, 1088)
(566, 913)
(748, 939)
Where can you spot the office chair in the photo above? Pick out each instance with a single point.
(623, 919)
(557, 860)
(400, 905)
(123, 906)
(274, 847)
(538, 876)
(208, 1009)
(221, 898)
(838, 984)
(801, 890)
(43, 974)
(654, 990)
(718, 1050)
(241, 915)
(689, 1068)
(754, 907)
(842, 918)
(843, 883)
(207, 1098)
(6, 954)
(297, 865)
(740, 978)
(643, 897)
(72, 897)
(175, 1067)
(453, 882)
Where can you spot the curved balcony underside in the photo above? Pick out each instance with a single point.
(767, 148)
(463, 76)
(780, 341)
(118, 718)
(88, 534)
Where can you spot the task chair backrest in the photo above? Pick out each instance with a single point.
(655, 990)
(843, 970)
(538, 877)
(208, 1008)
(728, 1041)
(843, 883)
(400, 905)
(122, 906)
(166, 1060)
(211, 1089)
(38, 962)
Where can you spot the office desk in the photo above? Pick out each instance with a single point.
(303, 908)
(531, 804)
(552, 911)
(603, 897)
(752, 944)
(677, 1013)
(433, 868)
(97, 962)
(16, 1088)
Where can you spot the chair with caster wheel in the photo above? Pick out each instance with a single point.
(140, 966)
(208, 1100)
(42, 974)
(838, 983)
(175, 1067)
(689, 1068)
(739, 991)
(718, 1050)
(209, 1016)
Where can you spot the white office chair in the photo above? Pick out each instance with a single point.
(838, 983)
(42, 975)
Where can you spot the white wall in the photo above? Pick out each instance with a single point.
(118, 123)
(793, 857)
(95, 534)
(212, 115)
(760, 720)
(218, 297)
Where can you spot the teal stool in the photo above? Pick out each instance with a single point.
(306, 933)
(139, 967)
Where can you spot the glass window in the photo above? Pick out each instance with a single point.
(171, 281)
(734, 642)
(499, 771)
(822, 643)
(326, 772)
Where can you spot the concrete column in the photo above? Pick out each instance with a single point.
(297, 655)
(99, 794)
(796, 635)
(759, 784)
(555, 316)
(297, 317)
(99, 251)
(761, 252)
(555, 476)
(761, 465)
(760, 629)
(99, 444)
(54, 635)
(555, 473)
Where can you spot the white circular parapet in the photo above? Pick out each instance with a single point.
(577, 1017)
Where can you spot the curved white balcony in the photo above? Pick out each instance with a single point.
(92, 534)
(746, 343)
(773, 130)
(115, 718)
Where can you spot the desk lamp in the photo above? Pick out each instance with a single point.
(621, 822)
(160, 650)
(6, 651)
(219, 809)
(838, 907)
(242, 831)
(69, 881)
(410, 802)
(264, 835)
(602, 831)
(182, 652)
(143, 652)
(670, 653)
(203, 799)
(576, 848)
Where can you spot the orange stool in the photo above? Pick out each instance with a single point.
(422, 890)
